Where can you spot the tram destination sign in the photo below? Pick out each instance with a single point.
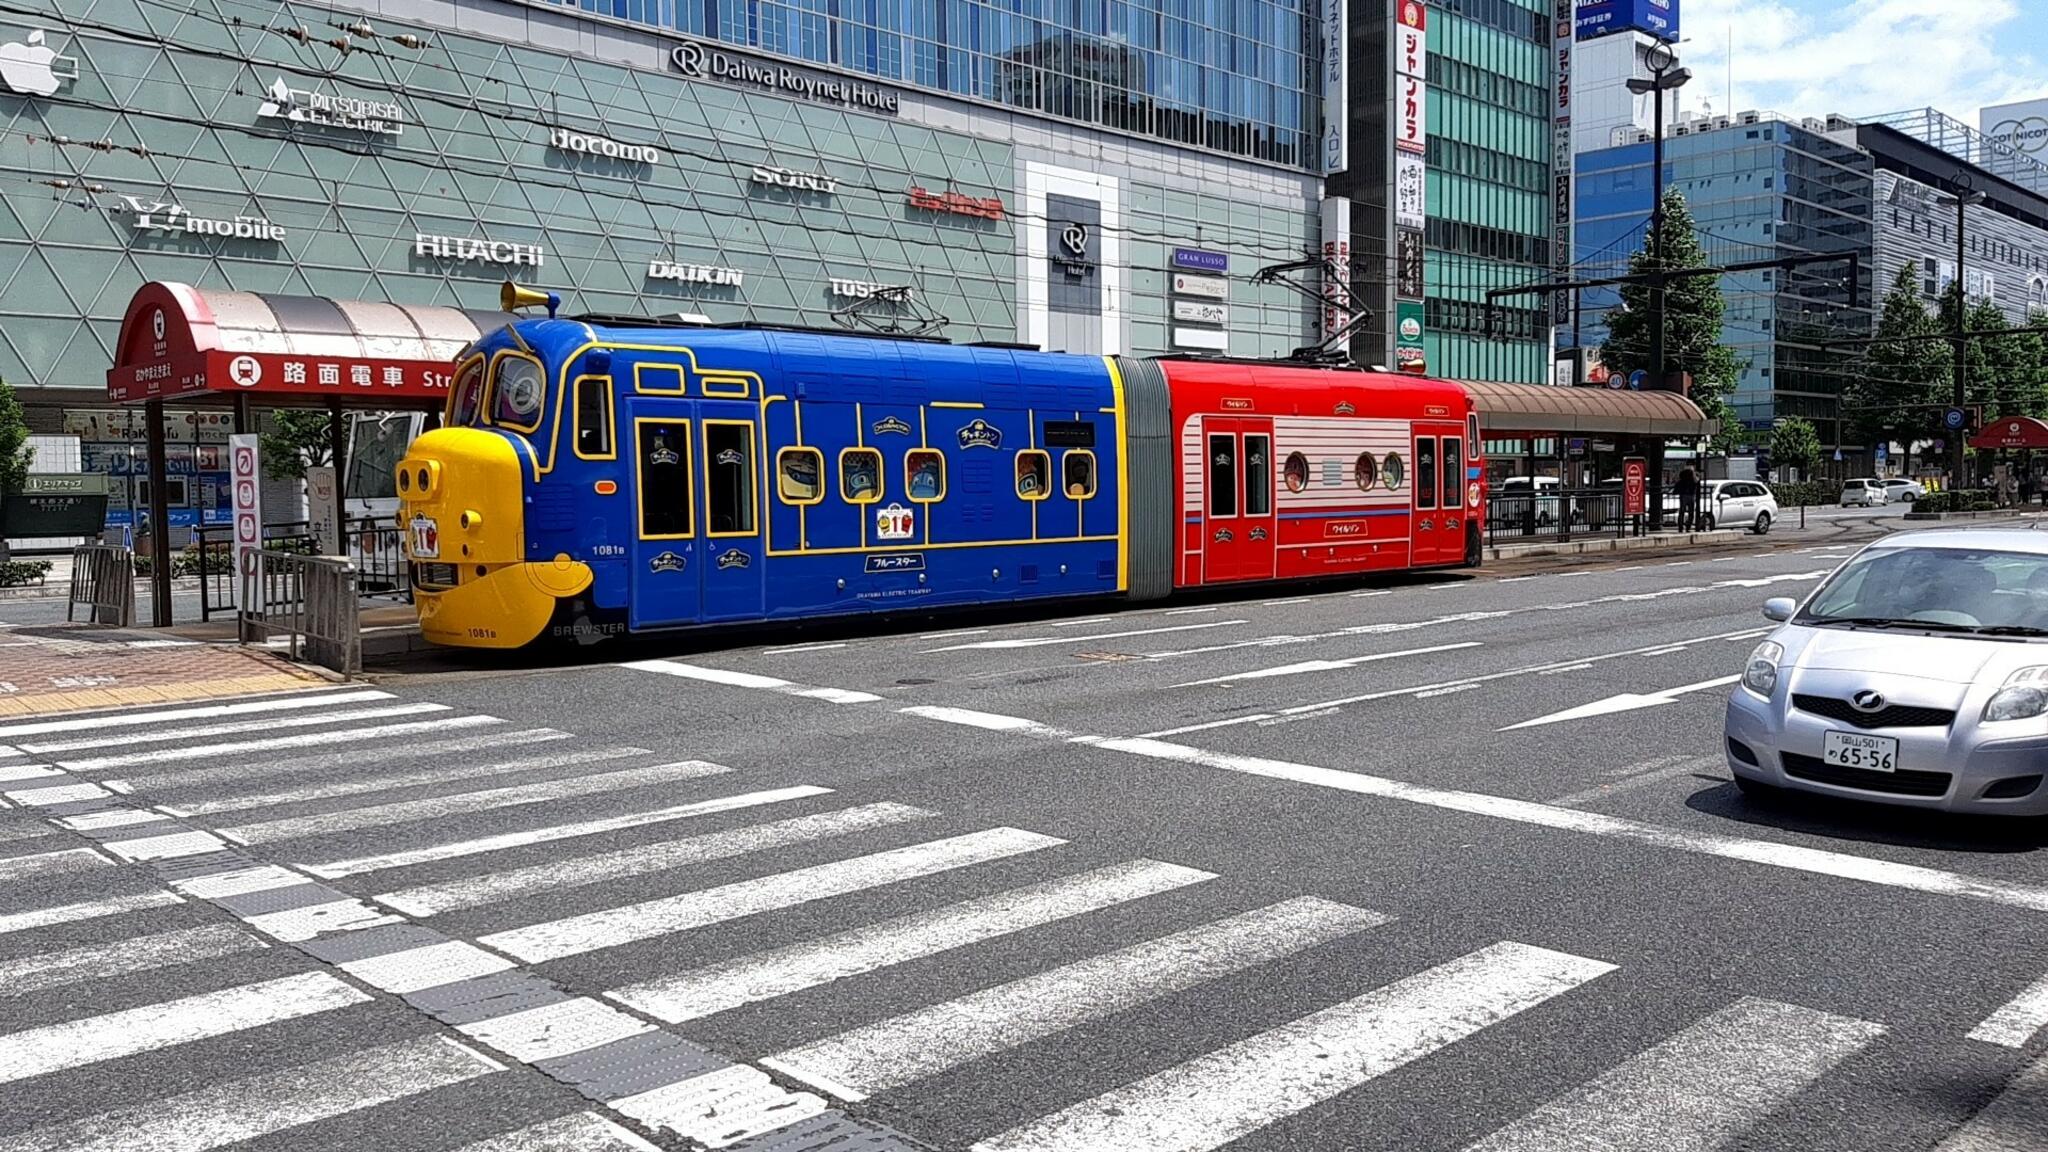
(705, 62)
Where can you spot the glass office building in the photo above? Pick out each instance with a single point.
(1760, 187)
(1098, 181)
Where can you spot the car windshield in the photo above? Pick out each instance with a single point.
(1977, 590)
(465, 402)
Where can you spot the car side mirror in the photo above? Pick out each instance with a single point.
(1779, 609)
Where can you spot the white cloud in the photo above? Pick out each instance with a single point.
(1861, 58)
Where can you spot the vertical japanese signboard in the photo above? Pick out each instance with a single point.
(1411, 90)
(1561, 159)
(1338, 310)
(1408, 353)
(247, 481)
(1336, 96)
(1635, 472)
(1411, 178)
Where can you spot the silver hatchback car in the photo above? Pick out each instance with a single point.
(1917, 674)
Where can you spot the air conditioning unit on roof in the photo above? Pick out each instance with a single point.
(1751, 117)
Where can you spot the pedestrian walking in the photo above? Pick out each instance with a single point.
(1688, 488)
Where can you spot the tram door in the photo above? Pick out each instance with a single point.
(697, 548)
(732, 532)
(1238, 485)
(1439, 487)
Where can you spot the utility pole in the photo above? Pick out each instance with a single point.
(1665, 76)
(1965, 195)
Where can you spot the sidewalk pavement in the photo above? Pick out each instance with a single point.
(72, 668)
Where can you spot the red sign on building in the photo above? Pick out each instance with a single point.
(957, 204)
(1635, 486)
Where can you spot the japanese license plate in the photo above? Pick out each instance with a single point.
(426, 538)
(1855, 750)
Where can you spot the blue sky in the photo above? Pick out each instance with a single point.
(1863, 57)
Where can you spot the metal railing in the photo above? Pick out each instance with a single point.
(372, 543)
(1560, 514)
(310, 600)
(102, 581)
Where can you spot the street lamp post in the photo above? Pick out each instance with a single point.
(1665, 76)
(1965, 195)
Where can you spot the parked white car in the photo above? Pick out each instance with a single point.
(1903, 491)
(1516, 493)
(1738, 504)
(1865, 494)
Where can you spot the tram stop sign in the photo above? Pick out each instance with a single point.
(1635, 473)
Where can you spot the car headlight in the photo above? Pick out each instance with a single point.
(1761, 676)
(2024, 696)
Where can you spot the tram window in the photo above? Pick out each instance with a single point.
(924, 475)
(729, 477)
(1077, 473)
(1425, 472)
(1365, 473)
(1258, 475)
(800, 475)
(664, 455)
(860, 475)
(1222, 475)
(467, 398)
(517, 385)
(1472, 431)
(1296, 472)
(594, 417)
(1034, 474)
(1454, 471)
(1393, 471)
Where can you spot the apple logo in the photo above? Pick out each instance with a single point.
(31, 68)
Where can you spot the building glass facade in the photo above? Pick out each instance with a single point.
(1759, 187)
(428, 164)
(1228, 75)
(1489, 224)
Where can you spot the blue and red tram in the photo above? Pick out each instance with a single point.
(595, 480)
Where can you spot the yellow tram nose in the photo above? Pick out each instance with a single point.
(460, 510)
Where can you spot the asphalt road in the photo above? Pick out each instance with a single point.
(1438, 863)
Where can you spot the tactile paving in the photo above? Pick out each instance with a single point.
(471, 1000)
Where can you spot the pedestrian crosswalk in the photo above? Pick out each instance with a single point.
(443, 902)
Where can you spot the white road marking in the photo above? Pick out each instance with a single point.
(85, 910)
(1078, 621)
(276, 1101)
(1188, 611)
(443, 773)
(1329, 665)
(1791, 857)
(1461, 684)
(578, 1132)
(488, 800)
(575, 935)
(951, 635)
(428, 966)
(301, 924)
(112, 818)
(1625, 702)
(168, 846)
(798, 649)
(1517, 579)
(334, 870)
(55, 794)
(993, 722)
(910, 1047)
(750, 680)
(27, 974)
(2011, 1122)
(240, 882)
(304, 740)
(765, 975)
(326, 762)
(720, 1108)
(1254, 718)
(2016, 1023)
(48, 864)
(264, 724)
(74, 1043)
(1369, 595)
(555, 1030)
(1700, 1089)
(1643, 779)
(1237, 1090)
(1289, 600)
(313, 699)
(1447, 690)
(579, 871)
(1042, 641)
(13, 773)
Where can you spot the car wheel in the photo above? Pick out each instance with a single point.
(1706, 522)
(1763, 523)
(1757, 789)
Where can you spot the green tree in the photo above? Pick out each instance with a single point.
(1794, 442)
(2015, 382)
(1906, 377)
(15, 453)
(1979, 362)
(297, 440)
(1693, 314)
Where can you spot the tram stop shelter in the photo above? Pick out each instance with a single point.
(1584, 430)
(198, 347)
